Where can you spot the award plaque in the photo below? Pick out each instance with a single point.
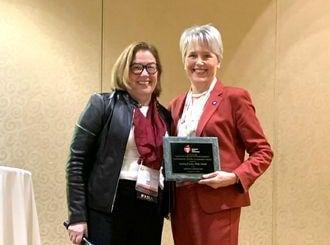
(188, 158)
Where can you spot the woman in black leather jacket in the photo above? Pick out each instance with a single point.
(115, 187)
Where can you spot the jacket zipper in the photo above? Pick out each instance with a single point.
(115, 195)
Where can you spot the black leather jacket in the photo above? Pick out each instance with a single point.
(97, 151)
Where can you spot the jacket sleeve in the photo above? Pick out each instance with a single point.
(251, 133)
(82, 151)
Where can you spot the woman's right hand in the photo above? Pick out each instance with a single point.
(77, 231)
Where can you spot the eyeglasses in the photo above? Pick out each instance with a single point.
(137, 68)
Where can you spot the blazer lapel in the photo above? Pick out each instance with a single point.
(210, 107)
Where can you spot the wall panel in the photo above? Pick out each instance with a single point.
(303, 100)
(248, 31)
(49, 65)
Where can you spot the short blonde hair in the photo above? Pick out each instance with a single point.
(204, 34)
(121, 68)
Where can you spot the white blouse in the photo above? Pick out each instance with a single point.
(193, 109)
(130, 167)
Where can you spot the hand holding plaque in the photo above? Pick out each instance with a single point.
(188, 158)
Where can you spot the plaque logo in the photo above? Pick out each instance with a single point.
(187, 149)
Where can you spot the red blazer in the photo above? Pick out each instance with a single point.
(230, 115)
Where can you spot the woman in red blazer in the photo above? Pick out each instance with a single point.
(208, 212)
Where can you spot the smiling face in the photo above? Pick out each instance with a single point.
(201, 66)
(141, 86)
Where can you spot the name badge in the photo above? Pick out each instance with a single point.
(147, 183)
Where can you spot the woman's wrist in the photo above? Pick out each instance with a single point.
(236, 179)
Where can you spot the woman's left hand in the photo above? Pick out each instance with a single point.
(218, 179)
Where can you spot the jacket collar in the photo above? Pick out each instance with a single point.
(211, 106)
(128, 98)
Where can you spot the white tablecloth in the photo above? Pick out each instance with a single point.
(18, 214)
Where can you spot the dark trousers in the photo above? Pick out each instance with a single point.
(132, 221)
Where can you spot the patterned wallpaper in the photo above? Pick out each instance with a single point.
(49, 65)
(50, 62)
